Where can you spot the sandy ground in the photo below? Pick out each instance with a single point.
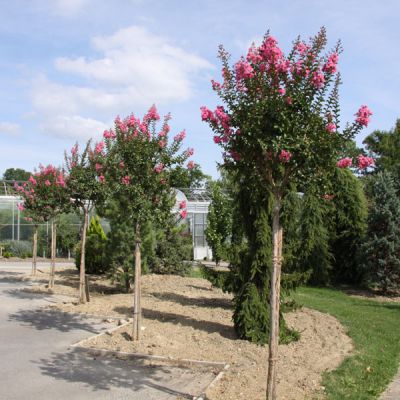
(187, 318)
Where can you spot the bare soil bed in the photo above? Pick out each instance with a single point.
(187, 318)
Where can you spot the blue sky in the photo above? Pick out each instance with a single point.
(68, 67)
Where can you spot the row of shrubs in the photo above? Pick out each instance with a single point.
(16, 248)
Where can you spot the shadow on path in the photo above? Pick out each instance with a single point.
(41, 319)
(106, 372)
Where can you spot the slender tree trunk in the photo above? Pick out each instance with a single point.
(137, 310)
(53, 253)
(34, 251)
(83, 298)
(277, 237)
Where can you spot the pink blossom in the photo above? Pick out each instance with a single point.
(126, 180)
(253, 55)
(99, 147)
(318, 79)
(110, 134)
(215, 85)
(102, 179)
(98, 167)
(281, 91)
(21, 206)
(152, 114)
(159, 168)
(328, 196)
(121, 164)
(190, 165)
(32, 180)
(74, 150)
(180, 136)
(47, 182)
(182, 204)
(363, 115)
(183, 214)
(364, 162)
(270, 52)
(162, 143)
(60, 180)
(243, 70)
(301, 47)
(330, 65)
(235, 155)
(188, 152)
(344, 162)
(28, 219)
(285, 156)
(289, 100)
(331, 127)
(217, 139)
(206, 114)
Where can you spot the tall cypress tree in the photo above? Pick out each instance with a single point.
(381, 250)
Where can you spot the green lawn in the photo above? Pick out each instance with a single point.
(375, 330)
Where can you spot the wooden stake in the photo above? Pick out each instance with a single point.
(34, 251)
(53, 254)
(277, 236)
(82, 274)
(137, 311)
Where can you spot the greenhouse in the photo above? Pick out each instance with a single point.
(14, 227)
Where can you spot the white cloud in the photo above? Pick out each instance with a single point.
(134, 69)
(9, 128)
(75, 127)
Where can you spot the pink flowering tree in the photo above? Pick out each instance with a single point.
(279, 126)
(44, 197)
(85, 191)
(135, 162)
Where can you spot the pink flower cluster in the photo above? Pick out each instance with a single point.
(126, 180)
(99, 148)
(188, 152)
(302, 48)
(152, 115)
(180, 136)
(285, 156)
(331, 65)
(364, 162)
(243, 70)
(220, 120)
(363, 115)
(331, 127)
(74, 150)
(318, 79)
(190, 165)
(344, 162)
(159, 168)
(109, 134)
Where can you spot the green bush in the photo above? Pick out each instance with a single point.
(18, 248)
(96, 242)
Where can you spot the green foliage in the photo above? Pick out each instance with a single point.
(17, 248)
(173, 250)
(380, 253)
(67, 233)
(219, 223)
(347, 226)
(374, 329)
(188, 178)
(16, 174)
(385, 146)
(95, 257)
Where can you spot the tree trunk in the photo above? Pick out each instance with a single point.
(34, 250)
(277, 237)
(53, 253)
(137, 310)
(83, 298)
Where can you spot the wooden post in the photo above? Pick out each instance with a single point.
(53, 253)
(137, 311)
(277, 236)
(34, 251)
(87, 291)
(82, 290)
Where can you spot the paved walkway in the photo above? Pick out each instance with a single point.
(36, 362)
(393, 390)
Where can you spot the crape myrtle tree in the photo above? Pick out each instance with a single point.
(45, 196)
(85, 190)
(280, 126)
(136, 162)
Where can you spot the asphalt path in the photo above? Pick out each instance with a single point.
(36, 361)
